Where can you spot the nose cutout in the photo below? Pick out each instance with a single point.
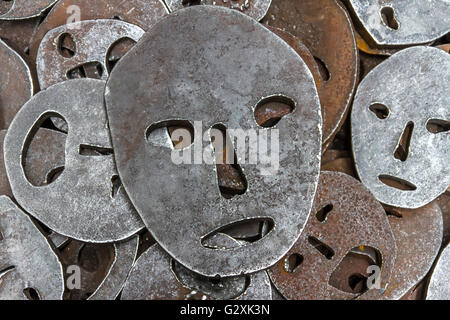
(66, 45)
(402, 150)
(230, 177)
(324, 249)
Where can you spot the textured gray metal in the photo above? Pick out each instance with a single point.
(124, 256)
(218, 74)
(24, 9)
(407, 22)
(256, 9)
(16, 85)
(26, 259)
(92, 38)
(84, 202)
(157, 276)
(408, 90)
(439, 286)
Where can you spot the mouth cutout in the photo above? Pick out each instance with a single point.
(249, 230)
(397, 183)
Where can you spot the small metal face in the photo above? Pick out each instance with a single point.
(16, 85)
(156, 276)
(87, 195)
(24, 9)
(418, 235)
(344, 216)
(217, 75)
(325, 27)
(400, 128)
(403, 22)
(124, 256)
(256, 9)
(143, 13)
(439, 286)
(29, 269)
(81, 50)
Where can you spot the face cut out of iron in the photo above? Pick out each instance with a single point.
(256, 9)
(156, 276)
(400, 128)
(29, 269)
(84, 199)
(81, 50)
(403, 22)
(213, 78)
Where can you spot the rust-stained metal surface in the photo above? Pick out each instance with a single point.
(325, 28)
(418, 235)
(88, 55)
(23, 9)
(16, 85)
(356, 219)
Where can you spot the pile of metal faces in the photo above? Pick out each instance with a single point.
(239, 149)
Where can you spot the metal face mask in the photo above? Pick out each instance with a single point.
(86, 201)
(403, 22)
(28, 266)
(400, 128)
(214, 77)
(81, 50)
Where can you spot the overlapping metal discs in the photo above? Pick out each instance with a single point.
(239, 149)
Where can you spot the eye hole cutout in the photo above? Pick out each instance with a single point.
(43, 154)
(117, 50)
(116, 184)
(5, 6)
(323, 69)
(388, 17)
(322, 214)
(188, 3)
(172, 134)
(380, 110)
(324, 249)
(66, 45)
(230, 176)
(91, 70)
(266, 226)
(293, 262)
(31, 294)
(351, 274)
(94, 151)
(437, 126)
(270, 110)
(397, 183)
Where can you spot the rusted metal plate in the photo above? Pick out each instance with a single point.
(87, 55)
(326, 29)
(185, 87)
(344, 165)
(27, 261)
(23, 9)
(344, 216)
(143, 13)
(91, 203)
(256, 9)
(16, 86)
(418, 235)
(156, 276)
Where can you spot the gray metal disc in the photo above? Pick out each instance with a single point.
(89, 208)
(408, 90)
(407, 22)
(27, 260)
(257, 9)
(218, 74)
(439, 286)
